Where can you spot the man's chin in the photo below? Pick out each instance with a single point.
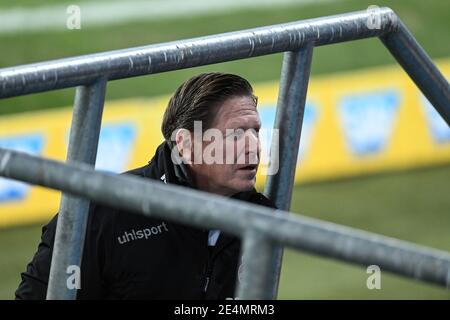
(246, 186)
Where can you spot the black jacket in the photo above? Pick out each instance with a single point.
(129, 256)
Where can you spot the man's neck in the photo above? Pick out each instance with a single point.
(205, 185)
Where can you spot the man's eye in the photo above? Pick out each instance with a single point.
(235, 134)
(254, 131)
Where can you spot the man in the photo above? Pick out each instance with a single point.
(129, 256)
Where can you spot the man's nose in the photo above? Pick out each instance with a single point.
(252, 146)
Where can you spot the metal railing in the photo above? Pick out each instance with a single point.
(264, 231)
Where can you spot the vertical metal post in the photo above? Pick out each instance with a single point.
(415, 61)
(73, 214)
(288, 121)
(256, 276)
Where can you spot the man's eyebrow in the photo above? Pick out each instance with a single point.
(245, 127)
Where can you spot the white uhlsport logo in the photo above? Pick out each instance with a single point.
(145, 234)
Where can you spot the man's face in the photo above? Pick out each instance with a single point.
(238, 123)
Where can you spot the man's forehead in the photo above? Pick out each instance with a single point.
(235, 109)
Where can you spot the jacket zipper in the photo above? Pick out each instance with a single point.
(206, 284)
(212, 254)
(208, 271)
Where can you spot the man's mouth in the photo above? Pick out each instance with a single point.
(249, 167)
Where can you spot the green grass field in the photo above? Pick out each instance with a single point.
(413, 206)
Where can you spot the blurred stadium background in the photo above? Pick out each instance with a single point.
(410, 202)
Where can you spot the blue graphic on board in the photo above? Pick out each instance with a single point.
(11, 190)
(115, 146)
(438, 127)
(368, 119)
(267, 115)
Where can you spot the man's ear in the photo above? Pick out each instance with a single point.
(183, 141)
